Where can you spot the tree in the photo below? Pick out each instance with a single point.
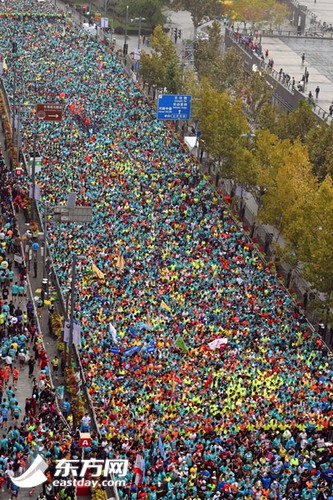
(151, 10)
(173, 81)
(222, 124)
(297, 124)
(259, 11)
(258, 94)
(269, 156)
(315, 245)
(277, 13)
(162, 67)
(228, 72)
(208, 52)
(289, 189)
(152, 70)
(320, 144)
(267, 118)
(249, 10)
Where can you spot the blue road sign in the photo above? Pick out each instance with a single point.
(174, 107)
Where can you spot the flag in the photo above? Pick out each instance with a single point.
(143, 465)
(216, 344)
(138, 469)
(150, 348)
(161, 448)
(209, 380)
(120, 262)
(115, 350)
(181, 344)
(76, 333)
(165, 306)
(174, 380)
(132, 350)
(97, 271)
(113, 333)
(143, 326)
(66, 332)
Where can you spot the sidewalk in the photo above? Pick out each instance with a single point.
(24, 386)
(323, 9)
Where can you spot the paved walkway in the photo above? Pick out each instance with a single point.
(24, 387)
(323, 9)
(287, 54)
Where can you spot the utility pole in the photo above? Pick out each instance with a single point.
(14, 103)
(139, 37)
(45, 239)
(71, 320)
(18, 131)
(14, 51)
(66, 321)
(33, 176)
(125, 49)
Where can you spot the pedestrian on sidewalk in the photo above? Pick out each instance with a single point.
(40, 304)
(14, 290)
(65, 408)
(60, 392)
(35, 269)
(31, 364)
(17, 411)
(15, 373)
(317, 90)
(7, 371)
(12, 403)
(9, 362)
(303, 58)
(55, 364)
(4, 413)
(22, 357)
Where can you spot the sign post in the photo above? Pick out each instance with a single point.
(174, 107)
(49, 112)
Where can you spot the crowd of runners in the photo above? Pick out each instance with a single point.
(198, 362)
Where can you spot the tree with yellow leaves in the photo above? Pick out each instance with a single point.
(161, 67)
(258, 12)
(289, 187)
(222, 125)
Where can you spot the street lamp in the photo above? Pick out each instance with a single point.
(140, 19)
(125, 49)
(45, 280)
(33, 176)
(76, 258)
(71, 319)
(14, 52)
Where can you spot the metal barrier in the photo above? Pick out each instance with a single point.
(286, 88)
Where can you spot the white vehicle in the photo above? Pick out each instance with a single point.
(90, 29)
